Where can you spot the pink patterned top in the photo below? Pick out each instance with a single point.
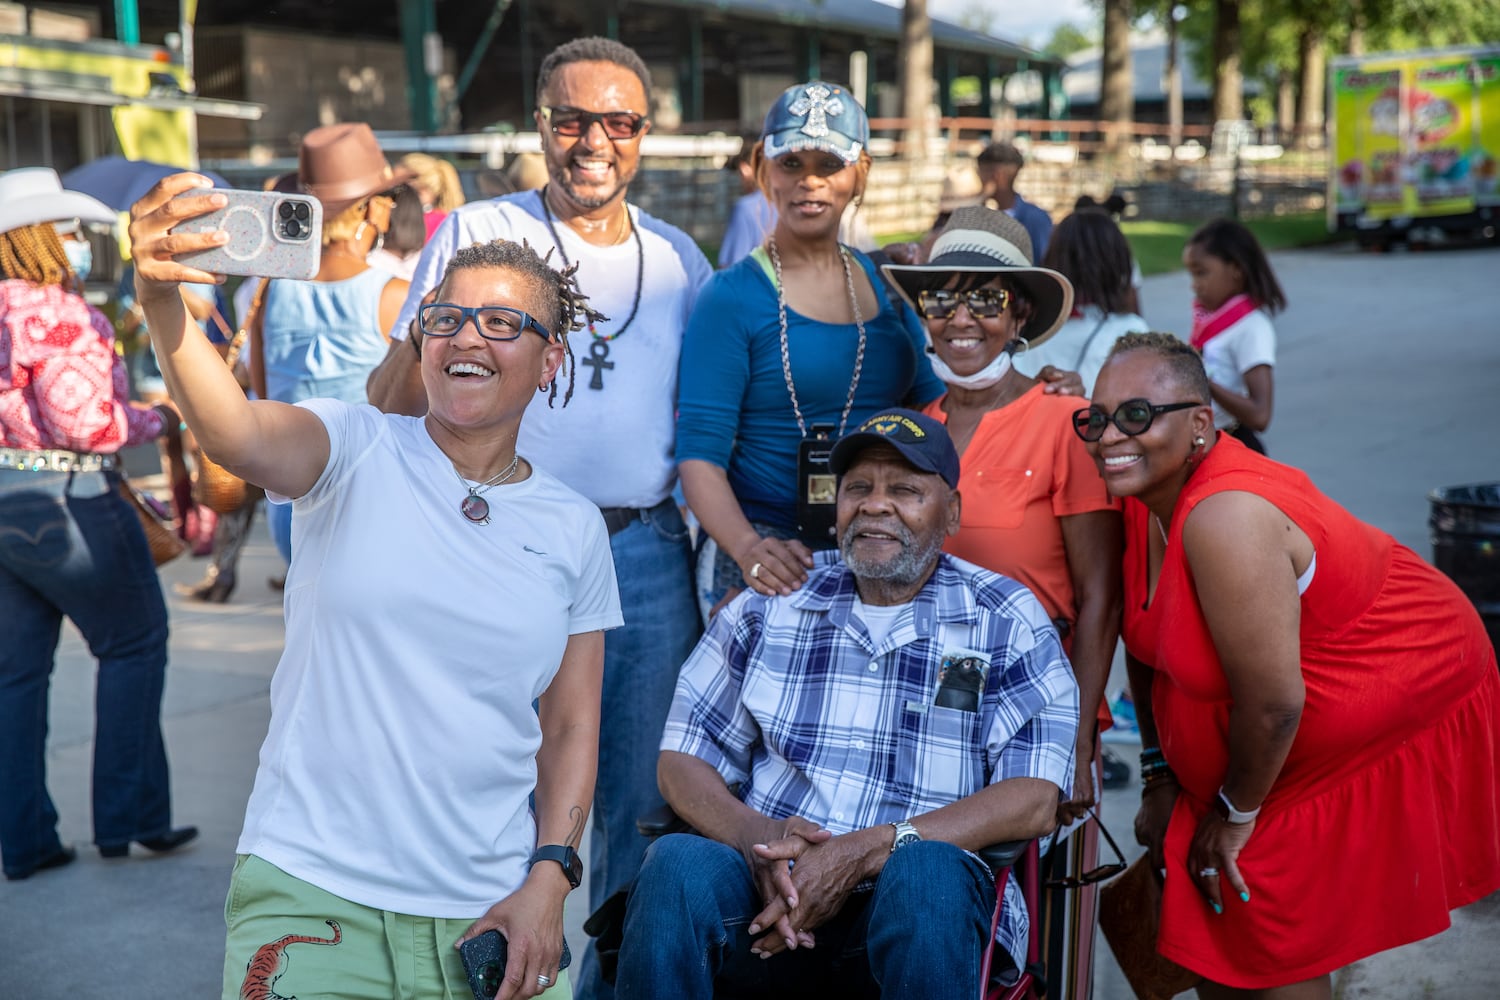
(61, 383)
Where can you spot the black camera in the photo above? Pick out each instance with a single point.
(293, 220)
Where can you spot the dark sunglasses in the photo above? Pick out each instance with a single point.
(982, 303)
(1132, 417)
(1100, 874)
(573, 122)
(443, 319)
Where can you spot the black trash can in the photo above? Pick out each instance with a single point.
(1465, 525)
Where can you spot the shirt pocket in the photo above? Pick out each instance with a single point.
(939, 755)
(996, 497)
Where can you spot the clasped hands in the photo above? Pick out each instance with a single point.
(804, 876)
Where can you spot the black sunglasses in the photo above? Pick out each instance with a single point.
(573, 122)
(444, 319)
(1100, 874)
(1132, 417)
(982, 303)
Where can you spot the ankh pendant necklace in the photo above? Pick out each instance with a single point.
(474, 506)
(598, 358)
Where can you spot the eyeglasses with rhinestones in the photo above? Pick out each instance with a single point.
(573, 122)
(1093, 875)
(1132, 417)
(982, 303)
(444, 319)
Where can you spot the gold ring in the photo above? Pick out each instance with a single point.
(755, 572)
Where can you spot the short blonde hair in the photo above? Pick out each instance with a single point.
(344, 225)
(438, 176)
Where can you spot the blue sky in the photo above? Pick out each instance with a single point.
(1030, 21)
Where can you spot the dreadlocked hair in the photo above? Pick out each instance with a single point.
(568, 307)
(34, 254)
(1182, 360)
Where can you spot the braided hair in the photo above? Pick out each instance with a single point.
(567, 306)
(1182, 360)
(35, 254)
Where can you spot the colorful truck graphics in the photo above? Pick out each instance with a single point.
(1416, 139)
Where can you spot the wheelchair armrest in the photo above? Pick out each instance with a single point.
(1002, 856)
(660, 821)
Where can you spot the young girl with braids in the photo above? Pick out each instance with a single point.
(70, 545)
(440, 585)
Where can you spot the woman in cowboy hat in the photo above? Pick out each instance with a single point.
(323, 337)
(1034, 507)
(70, 545)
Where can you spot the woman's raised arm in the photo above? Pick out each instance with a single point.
(282, 448)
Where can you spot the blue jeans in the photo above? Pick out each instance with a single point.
(70, 546)
(920, 933)
(653, 562)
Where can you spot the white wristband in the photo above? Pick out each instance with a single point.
(1233, 815)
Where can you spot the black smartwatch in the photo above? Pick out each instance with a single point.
(564, 855)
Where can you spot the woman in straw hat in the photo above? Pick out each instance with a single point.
(418, 785)
(322, 338)
(1034, 507)
(70, 545)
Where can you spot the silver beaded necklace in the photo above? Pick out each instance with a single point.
(786, 356)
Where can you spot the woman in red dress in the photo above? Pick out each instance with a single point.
(1318, 706)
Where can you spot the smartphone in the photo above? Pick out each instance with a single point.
(484, 963)
(271, 235)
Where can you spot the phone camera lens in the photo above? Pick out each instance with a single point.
(293, 229)
(302, 211)
(285, 209)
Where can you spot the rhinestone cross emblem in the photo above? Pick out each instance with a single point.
(816, 104)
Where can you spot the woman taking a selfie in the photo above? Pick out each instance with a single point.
(392, 814)
(796, 340)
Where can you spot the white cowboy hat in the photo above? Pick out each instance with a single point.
(980, 240)
(31, 195)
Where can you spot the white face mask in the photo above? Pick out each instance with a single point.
(987, 376)
(80, 256)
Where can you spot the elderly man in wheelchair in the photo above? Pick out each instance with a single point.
(898, 713)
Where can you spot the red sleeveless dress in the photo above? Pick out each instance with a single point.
(1385, 816)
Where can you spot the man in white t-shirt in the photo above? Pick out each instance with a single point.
(614, 441)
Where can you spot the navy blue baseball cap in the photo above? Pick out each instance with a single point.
(816, 115)
(921, 440)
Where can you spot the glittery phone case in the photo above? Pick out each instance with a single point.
(271, 235)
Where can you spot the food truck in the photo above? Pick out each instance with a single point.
(1415, 144)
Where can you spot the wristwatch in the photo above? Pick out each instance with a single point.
(1229, 813)
(905, 834)
(564, 855)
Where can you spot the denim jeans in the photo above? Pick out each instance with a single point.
(653, 562)
(70, 546)
(920, 933)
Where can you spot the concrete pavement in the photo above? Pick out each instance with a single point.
(1388, 371)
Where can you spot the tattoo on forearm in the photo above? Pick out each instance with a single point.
(575, 835)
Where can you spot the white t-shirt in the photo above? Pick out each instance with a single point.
(613, 445)
(1248, 344)
(402, 745)
(1071, 349)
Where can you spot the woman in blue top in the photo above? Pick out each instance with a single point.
(798, 336)
(322, 338)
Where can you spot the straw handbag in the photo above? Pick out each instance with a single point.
(165, 545)
(1129, 916)
(216, 487)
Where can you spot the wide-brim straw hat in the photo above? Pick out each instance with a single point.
(982, 241)
(342, 165)
(30, 196)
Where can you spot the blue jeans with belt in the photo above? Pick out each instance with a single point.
(653, 563)
(70, 546)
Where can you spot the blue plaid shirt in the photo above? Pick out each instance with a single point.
(788, 697)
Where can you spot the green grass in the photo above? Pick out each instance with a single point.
(1158, 245)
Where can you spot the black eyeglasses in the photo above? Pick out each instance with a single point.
(573, 122)
(982, 303)
(1132, 417)
(443, 319)
(1100, 874)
